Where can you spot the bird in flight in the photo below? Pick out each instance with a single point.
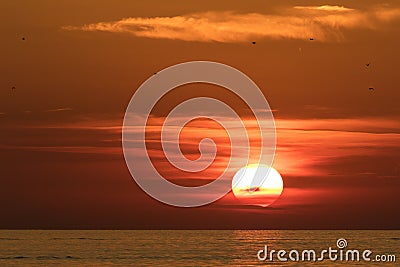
(253, 43)
(13, 88)
(253, 189)
(371, 88)
(23, 38)
(368, 64)
(311, 39)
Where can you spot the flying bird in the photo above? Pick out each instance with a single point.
(311, 39)
(253, 43)
(371, 88)
(251, 189)
(254, 189)
(368, 64)
(23, 38)
(13, 88)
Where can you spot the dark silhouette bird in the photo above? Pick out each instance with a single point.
(368, 64)
(155, 73)
(254, 189)
(371, 88)
(13, 88)
(23, 38)
(311, 39)
(251, 189)
(253, 43)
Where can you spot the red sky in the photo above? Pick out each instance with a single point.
(60, 130)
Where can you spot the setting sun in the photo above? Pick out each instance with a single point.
(256, 184)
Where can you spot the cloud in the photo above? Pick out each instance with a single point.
(305, 148)
(360, 125)
(325, 8)
(323, 23)
(67, 149)
(59, 109)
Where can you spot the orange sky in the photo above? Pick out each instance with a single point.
(60, 129)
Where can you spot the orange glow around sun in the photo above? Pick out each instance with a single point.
(258, 185)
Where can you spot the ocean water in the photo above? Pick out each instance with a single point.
(185, 247)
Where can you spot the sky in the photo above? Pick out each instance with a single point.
(338, 143)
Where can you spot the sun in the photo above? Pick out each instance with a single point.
(257, 184)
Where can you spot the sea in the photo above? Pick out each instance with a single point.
(198, 248)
